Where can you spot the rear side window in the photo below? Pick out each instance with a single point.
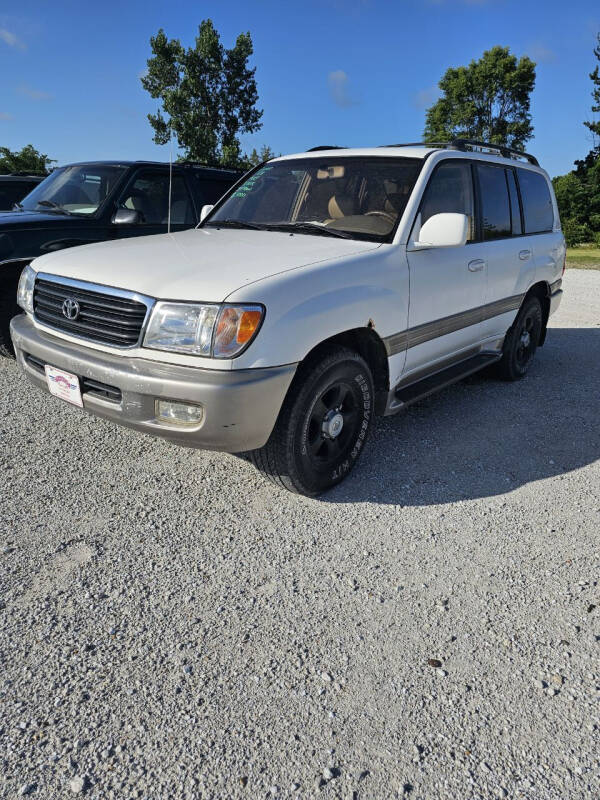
(537, 203)
(495, 204)
(515, 212)
(450, 190)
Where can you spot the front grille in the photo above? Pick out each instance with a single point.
(88, 385)
(107, 318)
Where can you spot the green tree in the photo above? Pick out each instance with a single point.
(28, 159)
(255, 157)
(487, 101)
(594, 125)
(578, 192)
(208, 95)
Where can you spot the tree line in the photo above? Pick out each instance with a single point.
(208, 98)
(578, 192)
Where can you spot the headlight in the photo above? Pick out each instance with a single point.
(25, 290)
(217, 331)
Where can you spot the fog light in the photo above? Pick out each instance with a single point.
(172, 413)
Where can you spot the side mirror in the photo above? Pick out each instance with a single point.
(443, 230)
(126, 216)
(205, 212)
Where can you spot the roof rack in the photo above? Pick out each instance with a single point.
(188, 163)
(463, 144)
(326, 147)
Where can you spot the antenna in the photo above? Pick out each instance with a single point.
(170, 178)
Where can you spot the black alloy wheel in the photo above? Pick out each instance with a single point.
(522, 341)
(323, 424)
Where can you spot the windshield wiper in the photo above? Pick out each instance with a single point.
(51, 204)
(310, 227)
(235, 223)
(18, 205)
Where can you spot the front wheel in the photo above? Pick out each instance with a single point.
(521, 341)
(322, 426)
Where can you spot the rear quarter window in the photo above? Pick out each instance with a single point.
(537, 202)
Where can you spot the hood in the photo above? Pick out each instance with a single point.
(206, 264)
(14, 218)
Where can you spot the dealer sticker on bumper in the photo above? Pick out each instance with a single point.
(64, 385)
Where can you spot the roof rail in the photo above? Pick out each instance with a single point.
(463, 144)
(445, 145)
(507, 152)
(326, 147)
(187, 163)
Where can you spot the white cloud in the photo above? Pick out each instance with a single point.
(540, 53)
(34, 94)
(426, 97)
(339, 90)
(11, 39)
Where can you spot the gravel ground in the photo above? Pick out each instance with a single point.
(173, 627)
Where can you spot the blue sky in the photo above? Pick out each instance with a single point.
(352, 72)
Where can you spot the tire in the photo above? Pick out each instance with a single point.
(323, 425)
(9, 280)
(521, 341)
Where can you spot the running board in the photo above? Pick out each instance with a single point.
(405, 395)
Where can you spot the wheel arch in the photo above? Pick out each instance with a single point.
(541, 290)
(369, 345)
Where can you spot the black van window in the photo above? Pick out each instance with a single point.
(515, 213)
(209, 190)
(495, 208)
(537, 203)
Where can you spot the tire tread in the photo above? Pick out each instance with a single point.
(272, 460)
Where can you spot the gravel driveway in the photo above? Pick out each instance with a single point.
(173, 627)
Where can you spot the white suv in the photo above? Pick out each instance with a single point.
(323, 288)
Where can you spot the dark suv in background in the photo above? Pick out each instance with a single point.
(85, 203)
(15, 186)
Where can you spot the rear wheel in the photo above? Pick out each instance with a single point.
(521, 341)
(322, 426)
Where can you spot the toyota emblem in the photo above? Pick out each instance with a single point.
(70, 308)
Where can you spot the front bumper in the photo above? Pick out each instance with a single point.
(240, 406)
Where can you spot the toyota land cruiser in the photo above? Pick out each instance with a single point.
(323, 288)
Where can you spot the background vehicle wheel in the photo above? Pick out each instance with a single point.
(9, 281)
(521, 341)
(322, 426)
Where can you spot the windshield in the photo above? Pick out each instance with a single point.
(73, 190)
(359, 197)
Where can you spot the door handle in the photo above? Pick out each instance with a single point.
(476, 265)
(524, 255)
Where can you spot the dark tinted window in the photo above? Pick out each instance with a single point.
(209, 190)
(12, 192)
(515, 213)
(537, 203)
(495, 207)
(450, 190)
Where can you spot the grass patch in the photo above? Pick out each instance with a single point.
(583, 257)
